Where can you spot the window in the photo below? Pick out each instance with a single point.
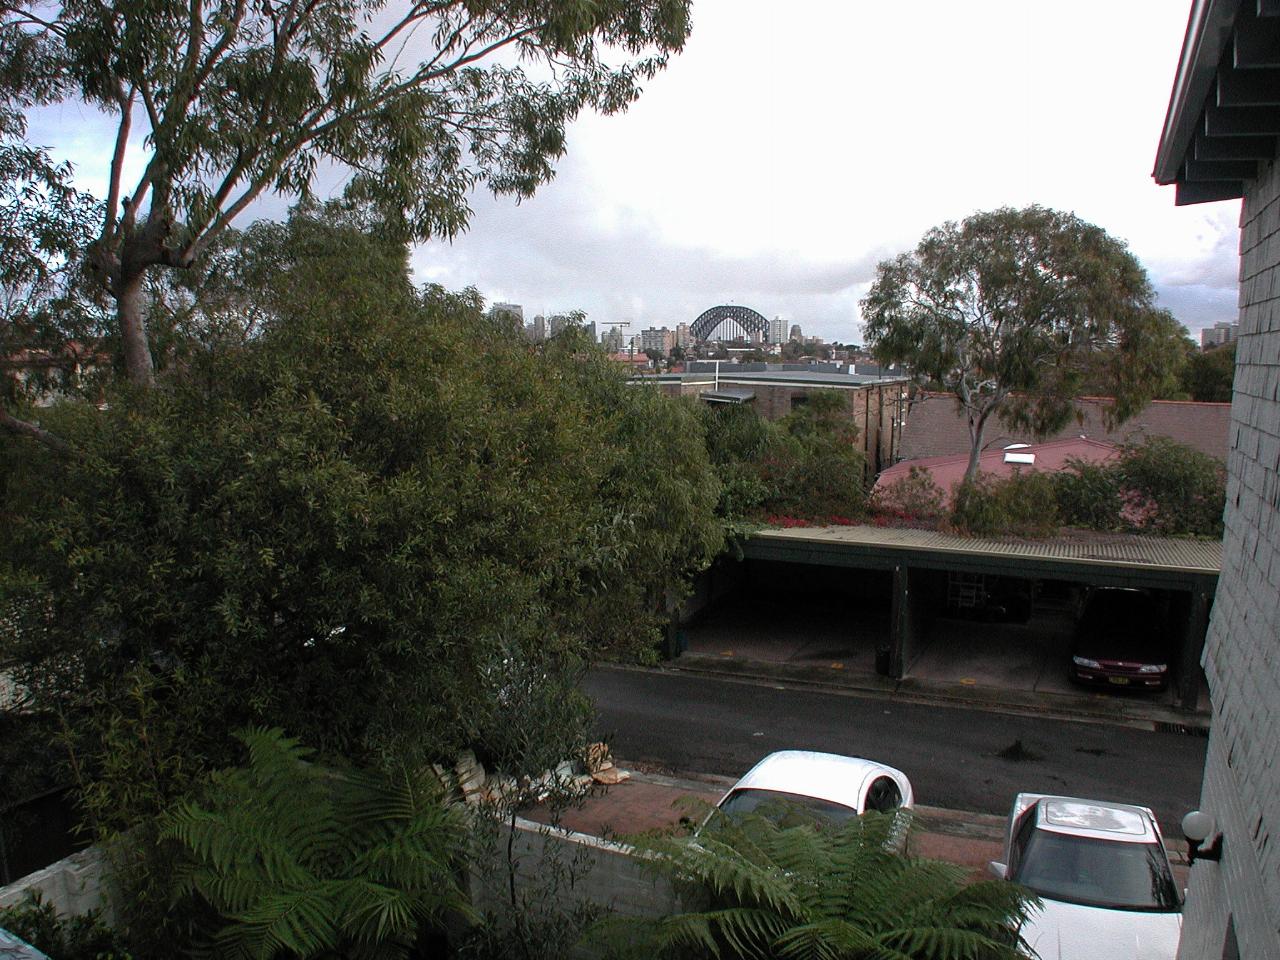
(883, 795)
(1099, 873)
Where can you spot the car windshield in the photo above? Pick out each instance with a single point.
(775, 804)
(1098, 873)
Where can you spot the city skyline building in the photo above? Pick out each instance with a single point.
(1222, 332)
(657, 338)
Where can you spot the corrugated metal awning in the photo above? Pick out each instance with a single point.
(1192, 557)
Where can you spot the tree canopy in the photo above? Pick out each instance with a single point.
(1210, 374)
(414, 103)
(1014, 311)
(383, 522)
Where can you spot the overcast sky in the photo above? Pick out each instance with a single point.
(791, 147)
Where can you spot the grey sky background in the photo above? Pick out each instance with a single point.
(791, 147)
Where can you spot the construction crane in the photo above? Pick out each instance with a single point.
(620, 323)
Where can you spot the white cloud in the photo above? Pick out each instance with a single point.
(792, 146)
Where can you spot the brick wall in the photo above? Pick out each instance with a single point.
(1242, 652)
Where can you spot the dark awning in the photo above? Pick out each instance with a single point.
(728, 396)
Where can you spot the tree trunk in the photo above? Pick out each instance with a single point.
(131, 312)
(976, 429)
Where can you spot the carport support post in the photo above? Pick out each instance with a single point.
(1188, 691)
(899, 623)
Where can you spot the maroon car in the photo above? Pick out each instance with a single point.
(1120, 641)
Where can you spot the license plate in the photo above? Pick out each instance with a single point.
(1122, 681)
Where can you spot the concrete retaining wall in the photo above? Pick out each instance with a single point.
(609, 874)
(72, 886)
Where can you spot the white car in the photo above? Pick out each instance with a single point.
(831, 786)
(1103, 877)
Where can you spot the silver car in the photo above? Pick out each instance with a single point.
(1103, 877)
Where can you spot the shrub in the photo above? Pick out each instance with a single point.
(1155, 486)
(62, 937)
(1023, 505)
(1171, 488)
(1088, 495)
(913, 498)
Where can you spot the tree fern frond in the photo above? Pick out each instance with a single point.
(795, 892)
(286, 853)
(828, 938)
(948, 943)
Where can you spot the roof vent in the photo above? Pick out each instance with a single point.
(1027, 458)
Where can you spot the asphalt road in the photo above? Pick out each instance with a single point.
(952, 755)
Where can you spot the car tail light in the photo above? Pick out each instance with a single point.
(1087, 663)
(1153, 668)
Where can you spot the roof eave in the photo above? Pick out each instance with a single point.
(1209, 30)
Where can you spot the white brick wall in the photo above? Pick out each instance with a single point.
(1242, 652)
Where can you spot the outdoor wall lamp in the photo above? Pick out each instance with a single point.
(1198, 827)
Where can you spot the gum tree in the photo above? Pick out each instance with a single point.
(414, 103)
(1014, 312)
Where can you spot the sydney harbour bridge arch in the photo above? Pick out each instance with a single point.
(741, 321)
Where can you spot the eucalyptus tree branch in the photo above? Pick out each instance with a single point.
(117, 161)
(419, 13)
(33, 431)
(25, 17)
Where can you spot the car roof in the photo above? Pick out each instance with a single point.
(827, 776)
(1091, 818)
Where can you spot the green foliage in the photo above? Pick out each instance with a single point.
(758, 889)
(1155, 486)
(1088, 495)
(1171, 488)
(812, 467)
(374, 523)
(1015, 311)
(1209, 374)
(421, 103)
(804, 465)
(912, 499)
(44, 225)
(1023, 505)
(297, 860)
(83, 937)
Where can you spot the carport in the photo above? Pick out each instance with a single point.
(922, 570)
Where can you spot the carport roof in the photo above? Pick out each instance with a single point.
(1195, 557)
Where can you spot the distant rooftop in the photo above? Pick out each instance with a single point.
(935, 427)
